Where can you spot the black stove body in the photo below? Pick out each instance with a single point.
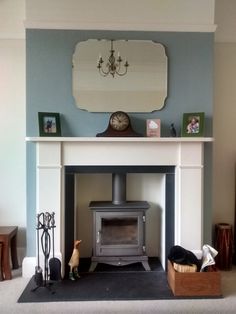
(119, 228)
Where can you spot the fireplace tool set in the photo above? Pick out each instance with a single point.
(52, 268)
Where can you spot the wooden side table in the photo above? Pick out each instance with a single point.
(8, 238)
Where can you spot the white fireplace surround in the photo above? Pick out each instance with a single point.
(186, 154)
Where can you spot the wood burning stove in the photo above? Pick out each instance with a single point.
(119, 228)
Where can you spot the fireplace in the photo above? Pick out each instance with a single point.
(179, 159)
(118, 206)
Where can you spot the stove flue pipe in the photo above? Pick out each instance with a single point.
(118, 188)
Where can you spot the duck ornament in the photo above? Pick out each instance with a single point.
(74, 261)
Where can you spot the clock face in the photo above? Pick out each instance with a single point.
(119, 121)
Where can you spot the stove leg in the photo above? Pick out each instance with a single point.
(93, 266)
(146, 265)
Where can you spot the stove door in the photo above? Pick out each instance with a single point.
(119, 233)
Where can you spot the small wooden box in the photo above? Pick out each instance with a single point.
(194, 284)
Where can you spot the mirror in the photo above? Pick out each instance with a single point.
(142, 89)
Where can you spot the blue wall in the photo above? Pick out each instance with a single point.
(49, 88)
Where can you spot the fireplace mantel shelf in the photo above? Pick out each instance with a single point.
(120, 139)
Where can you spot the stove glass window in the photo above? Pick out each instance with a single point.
(119, 231)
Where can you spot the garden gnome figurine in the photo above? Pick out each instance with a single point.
(74, 261)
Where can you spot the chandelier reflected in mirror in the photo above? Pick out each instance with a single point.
(113, 66)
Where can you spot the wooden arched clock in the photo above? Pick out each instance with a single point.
(119, 125)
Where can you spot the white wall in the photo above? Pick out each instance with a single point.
(225, 18)
(224, 113)
(123, 14)
(224, 133)
(168, 11)
(12, 14)
(12, 109)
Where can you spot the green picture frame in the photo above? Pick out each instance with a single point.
(193, 124)
(49, 124)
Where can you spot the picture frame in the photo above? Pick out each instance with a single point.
(49, 124)
(193, 124)
(153, 127)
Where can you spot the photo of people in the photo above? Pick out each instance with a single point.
(193, 125)
(50, 125)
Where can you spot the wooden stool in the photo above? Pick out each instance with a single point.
(8, 237)
(1, 276)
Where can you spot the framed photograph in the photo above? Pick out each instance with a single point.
(153, 127)
(193, 124)
(49, 124)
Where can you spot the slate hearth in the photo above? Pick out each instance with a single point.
(130, 282)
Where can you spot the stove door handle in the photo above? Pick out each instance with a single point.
(98, 236)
